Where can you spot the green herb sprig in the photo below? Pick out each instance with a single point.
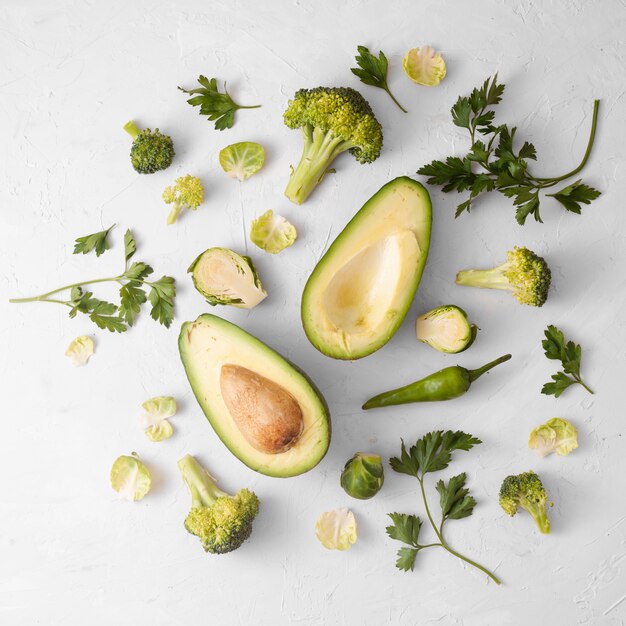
(493, 164)
(132, 281)
(432, 453)
(569, 353)
(217, 106)
(372, 71)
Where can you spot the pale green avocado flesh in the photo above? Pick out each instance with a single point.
(210, 343)
(361, 290)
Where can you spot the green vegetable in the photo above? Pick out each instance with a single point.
(218, 107)
(96, 241)
(132, 281)
(186, 193)
(446, 384)
(433, 453)
(363, 476)
(151, 151)
(373, 71)
(569, 354)
(332, 120)
(225, 277)
(79, 350)
(556, 435)
(242, 160)
(424, 66)
(524, 273)
(446, 329)
(336, 530)
(526, 491)
(155, 418)
(493, 164)
(272, 233)
(130, 477)
(222, 522)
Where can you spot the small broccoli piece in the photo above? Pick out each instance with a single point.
(332, 120)
(524, 273)
(187, 192)
(151, 151)
(222, 522)
(527, 491)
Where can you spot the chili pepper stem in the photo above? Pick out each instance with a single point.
(477, 373)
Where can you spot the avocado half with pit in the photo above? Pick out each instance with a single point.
(265, 410)
(361, 290)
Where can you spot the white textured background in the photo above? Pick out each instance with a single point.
(71, 74)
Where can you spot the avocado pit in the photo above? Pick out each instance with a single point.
(268, 416)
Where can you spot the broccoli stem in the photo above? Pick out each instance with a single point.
(204, 491)
(488, 279)
(320, 150)
(538, 513)
(132, 129)
(174, 213)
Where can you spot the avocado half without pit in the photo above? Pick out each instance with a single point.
(265, 410)
(361, 290)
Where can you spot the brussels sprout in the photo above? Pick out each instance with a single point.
(241, 160)
(225, 277)
(556, 435)
(363, 476)
(130, 477)
(272, 233)
(79, 350)
(336, 530)
(446, 329)
(424, 66)
(155, 421)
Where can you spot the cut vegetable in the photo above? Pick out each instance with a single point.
(272, 233)
(424, 66)
(242, 160)
(361, 289)
(446, 329)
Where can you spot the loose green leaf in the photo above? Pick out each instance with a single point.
(130, 477)
(556, 348)
(454, 499)
(217, 106)
(372, 71)
(96, 241)
(424, 66)
(492, 162)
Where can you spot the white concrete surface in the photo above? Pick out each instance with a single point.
(71, 74)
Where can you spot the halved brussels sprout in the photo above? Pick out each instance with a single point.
(272, 233)
(446, 329)
(241, 160)
(154, 420)
(556, 435)
(363, 476)
(130, 477)
(79, 350)
(225, 277)
(424, 66)
(336, 530)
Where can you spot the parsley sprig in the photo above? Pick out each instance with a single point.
(433, 453)
(569, 353)
(132, 281)
(493, 163)
(372, 71)
(218, 107)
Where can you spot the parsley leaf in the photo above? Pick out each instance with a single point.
(492, 162)
(162, 294)
(217, 106)
(129, 244)
(454, 499)
(131, 299)
(95, 241)
(569, 353)
(372, 71)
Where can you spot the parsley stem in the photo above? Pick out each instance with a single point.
(579, 380)
(386, 88)
(592, 135)
(493, 577)
(430, 517)
(44, 296)
(254, 106)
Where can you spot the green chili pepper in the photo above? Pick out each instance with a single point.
(446, 384)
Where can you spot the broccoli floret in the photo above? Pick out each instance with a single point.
(333, 120)
(222, 522)
(151, 151)
(186, 193)
(527, 491)
(524, 273)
